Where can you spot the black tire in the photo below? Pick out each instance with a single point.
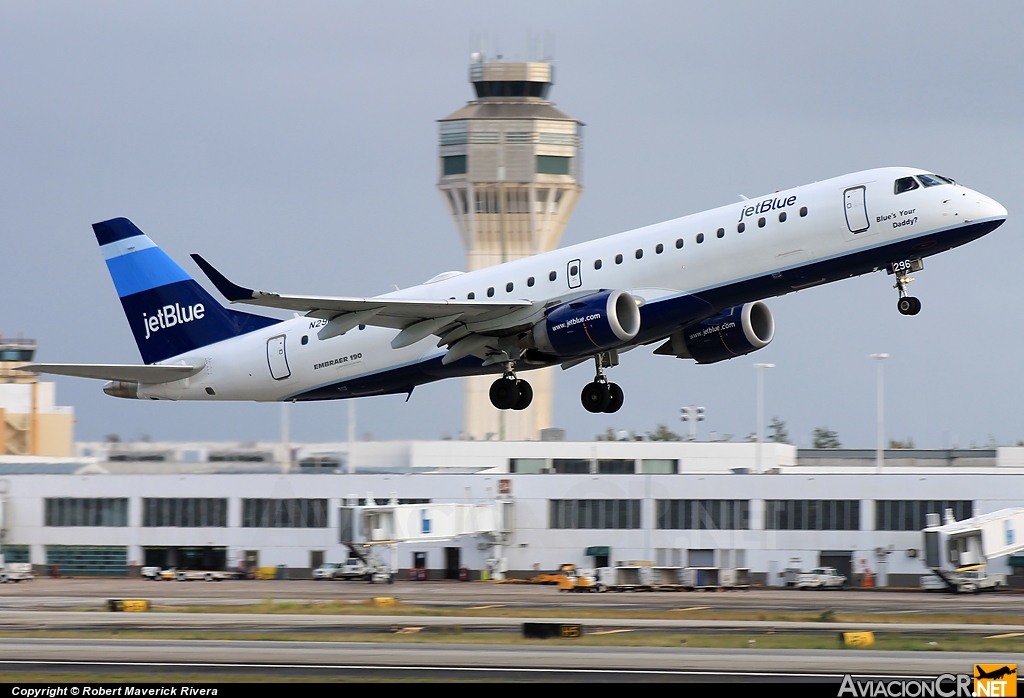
(525, 395)
(504, 393)
(615, 398)
(908, 306)
(595, 397)
(917, 306)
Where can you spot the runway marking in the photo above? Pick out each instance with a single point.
(996, 637)
(481, 608)
(408, 631)
(693, 608)
(613, 632)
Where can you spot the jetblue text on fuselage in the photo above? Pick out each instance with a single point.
(171, 315)
(767, 205)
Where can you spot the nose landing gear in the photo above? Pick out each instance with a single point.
(602, 396)
(907, 305)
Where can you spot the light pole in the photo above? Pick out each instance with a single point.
(692, 414)
(880, 445)
(760, 412)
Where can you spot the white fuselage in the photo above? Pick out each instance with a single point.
(239, 368)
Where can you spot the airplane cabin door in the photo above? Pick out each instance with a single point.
(573, 273)
(856, 209)
(277, 358)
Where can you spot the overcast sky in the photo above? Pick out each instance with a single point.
(295, 144)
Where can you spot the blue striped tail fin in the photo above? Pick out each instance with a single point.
(169, 313)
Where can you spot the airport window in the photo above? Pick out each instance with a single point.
(530, 281)
(89, 560)
(910, 514)
(74, 511)
(570, 465)
(552, 276)
(659, 248)
(470, 296)
(616, 466)
(679, 243)
(803, 211)
(618, 259)
(305, 339)
(700, 238)
(597, 264)
(782, 217)
(509, 287)
(639, 254)
(659, 466)
(531, 466)
(284, 513)
(760, 222)
(703, 514)
(552, 164)
(594, 513)
(184, 513)
(16, 553)
(740, 227)
(490, 292)
(720, 232)
(904, 184)
(812, 515)
(454, 165)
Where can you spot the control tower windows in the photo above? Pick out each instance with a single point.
(454, 165)
(905, 184)
(553, 164)
(511, 88)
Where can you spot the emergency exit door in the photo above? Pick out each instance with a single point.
(277, 358)
(856, 209)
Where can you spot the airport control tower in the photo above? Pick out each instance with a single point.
(510, 176)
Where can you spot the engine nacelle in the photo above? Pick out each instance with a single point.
(730, 333)
(126, 389)
(592, 323)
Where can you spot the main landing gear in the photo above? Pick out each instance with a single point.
(601, 396)
(511, 393)
(907, 305)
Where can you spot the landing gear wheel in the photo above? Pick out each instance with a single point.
(525, 395)
(596, 397)
(504, 393)
(615, 398)
(908, 305)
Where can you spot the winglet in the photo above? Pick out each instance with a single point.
(233, 292)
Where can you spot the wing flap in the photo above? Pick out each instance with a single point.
(118, 372)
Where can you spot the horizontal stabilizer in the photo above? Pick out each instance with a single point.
(118, 372)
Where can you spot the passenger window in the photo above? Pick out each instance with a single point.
(679, 243)
(905, 184)
(490, 291)
(721, 232)
(930, 180)
(803, 211)
(760, 222)
(659, 248)
(305, 339)
(700, 238)
(552, 276)
(470, 295)
(782, 217)
(740, 227)
(530, 282)
(618, 259)
(597, 264)
(509, 287)
(639, 254)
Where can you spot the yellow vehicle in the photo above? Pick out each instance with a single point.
(571, 579)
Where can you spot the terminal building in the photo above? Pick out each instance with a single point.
(114, 507)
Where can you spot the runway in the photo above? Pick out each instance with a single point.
(93, 593)
(478, 661)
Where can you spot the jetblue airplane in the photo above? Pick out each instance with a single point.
(695, 284)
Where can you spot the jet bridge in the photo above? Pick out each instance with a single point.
(363, 528)
(954, 547)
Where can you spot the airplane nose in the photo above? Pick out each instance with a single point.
(994, 208)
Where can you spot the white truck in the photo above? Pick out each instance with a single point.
(15, 572)
(820, 578)
(155, 574)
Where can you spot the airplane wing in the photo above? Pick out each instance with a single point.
(419, 318)
(117, 372)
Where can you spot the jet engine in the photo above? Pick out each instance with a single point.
(592, 323)
(732, 332)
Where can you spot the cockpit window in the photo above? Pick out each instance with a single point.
(905, 184)
(934, 180)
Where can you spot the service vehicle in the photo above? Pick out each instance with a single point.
(16, 572)
(328, 570)
(820, 578)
